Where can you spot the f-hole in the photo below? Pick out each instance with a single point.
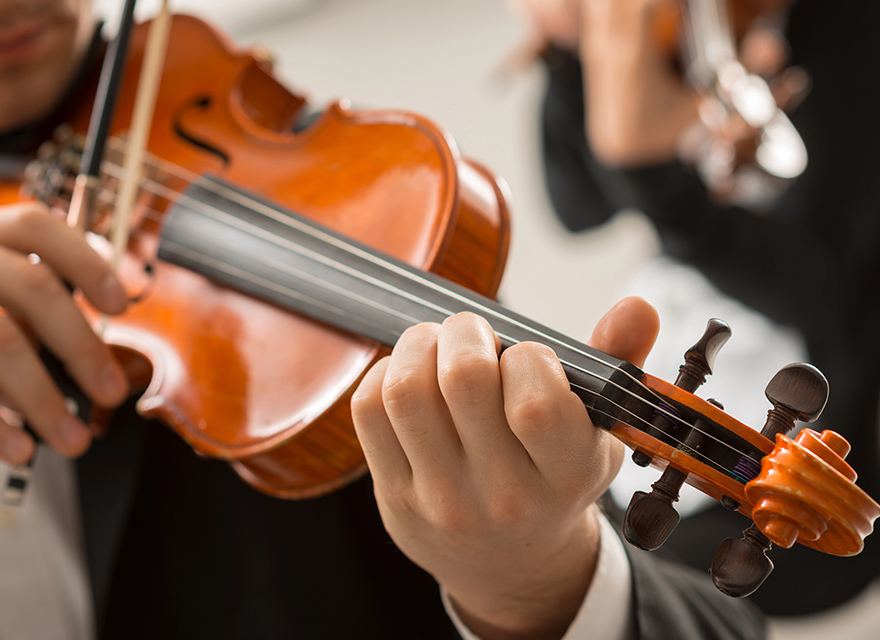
(202, 103)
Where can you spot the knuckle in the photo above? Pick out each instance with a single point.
(39, 277)
(365, 405)
(466, 317)
(445, 514)
(468, 376)
(29, 219)
(531, 352)
(533, 413)
(401, 501)
(90, 353)
(404, 392)
(423, 333)
(508, 510)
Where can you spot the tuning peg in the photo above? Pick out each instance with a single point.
(699, 362)
(650, 517)
(741, 566)
(798, 392)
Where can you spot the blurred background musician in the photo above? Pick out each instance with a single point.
(617, 113)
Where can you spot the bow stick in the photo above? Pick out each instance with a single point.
(142, 116)
(82, 200)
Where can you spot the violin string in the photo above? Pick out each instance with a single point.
(305, 276)
(223, 191)
(168, 193)
(208, 260)
(256, 279)
(160, 189)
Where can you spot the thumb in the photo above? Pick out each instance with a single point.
(627, 331)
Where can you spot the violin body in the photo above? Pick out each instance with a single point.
(241, 379)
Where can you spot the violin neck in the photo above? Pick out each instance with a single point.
(249, 244)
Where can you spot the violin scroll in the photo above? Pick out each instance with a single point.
(806, 493)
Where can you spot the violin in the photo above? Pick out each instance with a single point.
(731, 51)
(733, 55)
(269, 269)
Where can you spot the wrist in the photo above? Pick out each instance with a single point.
(537, 595)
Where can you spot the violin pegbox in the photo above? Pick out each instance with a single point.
(798, 392)
(650, 517)
(800, 491)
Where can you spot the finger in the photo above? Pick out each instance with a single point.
(548, 419)
(416, 408)
(16, 447)
(627, 331)
(29, 228)
(385, 457)
(25, 381)
(470, 381)
(34, 292)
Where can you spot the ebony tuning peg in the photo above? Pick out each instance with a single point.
(699, 361)
(650, 517)
(798, 392)
(741, 566)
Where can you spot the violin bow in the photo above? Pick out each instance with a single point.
(87, 181)
(139, 130)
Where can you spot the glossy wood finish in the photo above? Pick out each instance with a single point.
(805, 492)
(243, 380)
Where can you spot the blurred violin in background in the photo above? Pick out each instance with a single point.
(733, 55)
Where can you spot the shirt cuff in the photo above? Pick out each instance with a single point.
(607, 610)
